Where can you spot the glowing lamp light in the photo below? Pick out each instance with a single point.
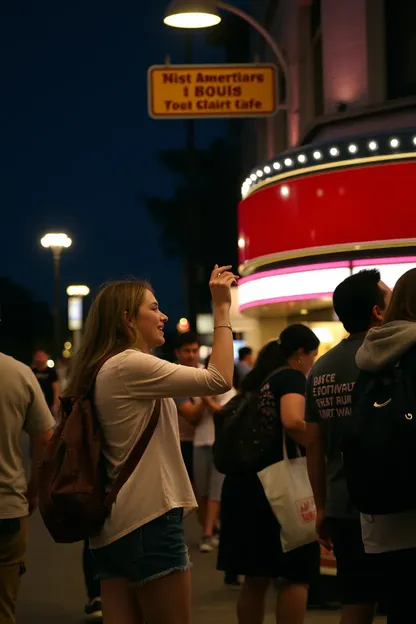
(68, 345)
(77, 291)
(56, 240)
(183, 325)
(241, 243)
(50, 363)
(192, 14)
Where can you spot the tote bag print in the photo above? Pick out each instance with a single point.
(289, 492)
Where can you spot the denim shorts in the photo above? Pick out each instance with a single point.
(153, 550)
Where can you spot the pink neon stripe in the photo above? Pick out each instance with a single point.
(260, 302)
(296, 269)
(373, 261)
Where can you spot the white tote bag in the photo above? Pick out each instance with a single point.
(289, 492)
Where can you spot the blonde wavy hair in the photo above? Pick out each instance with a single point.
(107, 331)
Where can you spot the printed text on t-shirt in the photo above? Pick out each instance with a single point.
(332, 399)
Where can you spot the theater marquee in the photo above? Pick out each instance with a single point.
(189, 91)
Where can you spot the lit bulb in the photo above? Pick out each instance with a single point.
(317, 155)
(277, 165)
(394, 143)
(372, 146)
(352, 148)
(253, 177)
(285, 191)
(334, 151)
(414, 140)
(302, 158)
(288, 162)
(267, 170)
(259, 173)
(241, 243)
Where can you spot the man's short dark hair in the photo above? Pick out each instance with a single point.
(354, 300)
(187, 338)
(244, 352)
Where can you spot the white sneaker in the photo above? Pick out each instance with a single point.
(206, 545)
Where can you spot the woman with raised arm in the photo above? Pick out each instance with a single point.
(140, 553)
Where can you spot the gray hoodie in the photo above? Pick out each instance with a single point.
(384, 346)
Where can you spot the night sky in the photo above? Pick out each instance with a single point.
(78, 149)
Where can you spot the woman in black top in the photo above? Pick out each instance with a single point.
(250, 534)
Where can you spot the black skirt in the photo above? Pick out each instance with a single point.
(250, 537)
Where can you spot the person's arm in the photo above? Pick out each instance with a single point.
(292, 414)
(38, 443)
(317, 465)
(148, 377)
(192, 412)
(39, 425)
(211, 404)
(56, 392)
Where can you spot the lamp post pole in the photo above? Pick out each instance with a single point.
(57, 242)
(57, 253)
(181, 9)
(284, 67)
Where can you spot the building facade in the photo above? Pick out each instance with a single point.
(336, 194)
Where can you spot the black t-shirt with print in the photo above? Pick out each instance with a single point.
(46, 378)
(288, 381)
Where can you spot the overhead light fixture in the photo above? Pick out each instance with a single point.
(192, 14)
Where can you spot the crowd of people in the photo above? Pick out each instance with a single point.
(137, 568)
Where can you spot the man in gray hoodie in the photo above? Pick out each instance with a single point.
(359, 302)
(391, 539)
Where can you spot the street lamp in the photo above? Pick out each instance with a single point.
(57, 242)
(75, 315)
(203, 14)
(192, 14)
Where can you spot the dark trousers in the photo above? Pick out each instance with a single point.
(91, 583)
(397, 581)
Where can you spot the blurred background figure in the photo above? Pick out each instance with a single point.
(47, 377)
(245, 362)
(189, 408)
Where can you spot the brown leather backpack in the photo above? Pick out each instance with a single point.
(73, 500)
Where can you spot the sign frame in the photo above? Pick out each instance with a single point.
(213, 115)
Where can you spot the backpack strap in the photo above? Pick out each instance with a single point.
(135, 456)
(275, 372)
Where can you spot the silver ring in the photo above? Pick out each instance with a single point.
(219, 274)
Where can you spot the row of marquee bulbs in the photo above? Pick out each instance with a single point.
(302, 159)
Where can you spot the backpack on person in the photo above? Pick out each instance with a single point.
(379, 446)
(73, 500)
(245, 431)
